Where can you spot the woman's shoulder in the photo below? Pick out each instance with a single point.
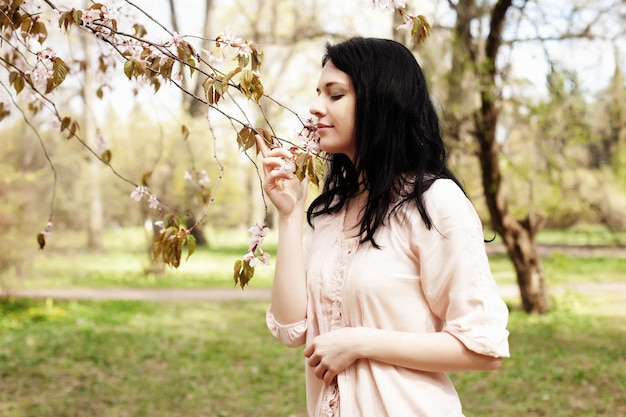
(445, 187)
(445, 199)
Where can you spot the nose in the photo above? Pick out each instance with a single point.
(317, 108)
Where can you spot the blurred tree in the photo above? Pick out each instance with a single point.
(227, 68)
(483, 36)
(611, 117)
(95, 225)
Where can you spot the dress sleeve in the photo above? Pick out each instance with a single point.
(455, 272)
(292, 335)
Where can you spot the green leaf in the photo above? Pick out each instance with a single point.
(171, 221)
(213, 90)
(420, 30)
(41, 240)
(191, 245)
(166, 69)
(106, 156)
(139, 30)
(77, 16)
(185, 131)
(65, 123)
(18, 82)
(246, 139)
(192, 64)
(59, 70)
(257, 58)
(237, 270)
(129, 68)
(40, 29)
(145, 178)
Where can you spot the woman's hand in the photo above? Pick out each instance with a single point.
(282, 187)
(332, 352)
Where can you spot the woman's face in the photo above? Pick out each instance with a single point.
(335, 111)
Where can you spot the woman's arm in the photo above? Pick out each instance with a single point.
(332, 352)
(288, 195)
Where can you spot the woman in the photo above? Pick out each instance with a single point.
(391, 287)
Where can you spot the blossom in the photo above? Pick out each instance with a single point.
(204, 178)
(258, 233)
(90, 16)
(138, 193)
(153, 202)
(187, 176)
(212, 58)
(100, 143)
(407, 24)
(55, 124)
(388, 4)
(266, 258)
(257, 230)
(250, 258)
(254, 260)
(39, 76)
(177, 38)
(289, 166)
(229, 40)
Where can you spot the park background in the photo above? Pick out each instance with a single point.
(562, 140)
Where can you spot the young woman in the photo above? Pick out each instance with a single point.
(391, 287)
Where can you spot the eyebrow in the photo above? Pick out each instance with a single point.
(332, 83)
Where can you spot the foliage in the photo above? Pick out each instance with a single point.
(229, 73)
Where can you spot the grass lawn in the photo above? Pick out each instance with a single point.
(217, 359)
(114, 359)
(126, 263)
(102, 359)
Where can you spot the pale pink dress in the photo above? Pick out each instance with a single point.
(420, 281)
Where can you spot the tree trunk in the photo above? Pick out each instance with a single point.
(518, 235)
(195, 107)
(96, 205)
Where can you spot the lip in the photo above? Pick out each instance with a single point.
(321, 126)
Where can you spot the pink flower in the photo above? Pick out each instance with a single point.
(388, 4)
(258, 233)
(177, 38)
(153, 202)
(257, 230)
(138, 193)
(289, 166)
(204, 178)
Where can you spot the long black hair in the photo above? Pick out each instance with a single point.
(399, 148)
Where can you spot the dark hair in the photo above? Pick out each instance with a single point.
(399, 148)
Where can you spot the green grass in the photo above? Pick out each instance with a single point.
(570, 362)
(582, 236)
(101, 359)
(144, 359)
(126, 263)
(560, 268)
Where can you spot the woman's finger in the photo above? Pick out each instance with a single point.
(261, 145)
